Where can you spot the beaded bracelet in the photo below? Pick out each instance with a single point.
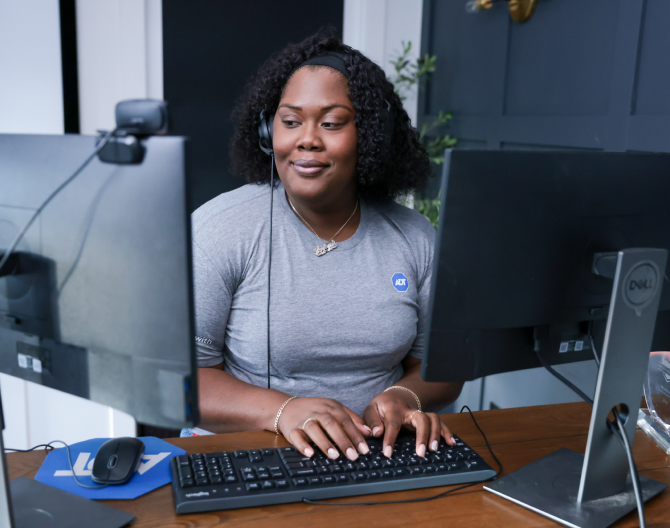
(418, 402)
(280, 411)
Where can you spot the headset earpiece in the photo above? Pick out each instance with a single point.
(265, 133)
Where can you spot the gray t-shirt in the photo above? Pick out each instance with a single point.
(340, 324)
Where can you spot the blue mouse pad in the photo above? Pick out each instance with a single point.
(153, 473)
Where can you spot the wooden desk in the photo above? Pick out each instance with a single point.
(517, 436)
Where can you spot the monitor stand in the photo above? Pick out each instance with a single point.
(26, 503)
(594, 490)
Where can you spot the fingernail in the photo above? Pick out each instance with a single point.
(376, 431)
(421, 450)
(363, 448)
(452, 441)
(351, 453)
(332, 453)
(388, 451)
(309, 451)
(433, 446)
(366, 427)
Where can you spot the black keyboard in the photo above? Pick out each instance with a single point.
(258, 477)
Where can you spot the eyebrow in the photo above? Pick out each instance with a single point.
(324, 109)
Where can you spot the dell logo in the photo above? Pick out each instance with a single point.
(641, 284)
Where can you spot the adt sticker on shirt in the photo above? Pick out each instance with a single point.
(400, 282)
(154, 471)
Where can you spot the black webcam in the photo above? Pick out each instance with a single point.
(135, 119)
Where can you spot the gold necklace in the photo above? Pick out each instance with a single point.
(330, 245)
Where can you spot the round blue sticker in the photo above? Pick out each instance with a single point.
(400, 282)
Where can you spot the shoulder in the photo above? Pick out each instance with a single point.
(411, 224)
(241, 209)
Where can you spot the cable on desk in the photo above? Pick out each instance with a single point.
(421, 499)
(69, 459)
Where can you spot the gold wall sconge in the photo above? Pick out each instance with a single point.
(519, 10)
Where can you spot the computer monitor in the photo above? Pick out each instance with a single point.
(97, 301)
(516, 238)
(538, 252)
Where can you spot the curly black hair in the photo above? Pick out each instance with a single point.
(385, 169)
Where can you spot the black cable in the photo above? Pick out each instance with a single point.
(76, 173)
(272, 194)
(634, 477)
(69, 459)
(563, 379)
(620, 434)
(422, 499)
(593, 344)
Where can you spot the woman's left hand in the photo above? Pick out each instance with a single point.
(391, 410)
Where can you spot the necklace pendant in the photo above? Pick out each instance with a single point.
(319, 251)
(331, 245)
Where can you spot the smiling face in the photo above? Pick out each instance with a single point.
(314, 139)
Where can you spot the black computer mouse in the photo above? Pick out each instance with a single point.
(117, 460)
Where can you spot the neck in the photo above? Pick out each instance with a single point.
(328, 217)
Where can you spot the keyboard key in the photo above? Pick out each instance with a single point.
(281, 483)
(300, 481)
(274, 468)
(286, 449)
(215, 480)
(240, 454)
(186, 482)
(295, 465)
(268, 484)
(201, 481)
(248, 477)
(230, 479)
(253, 486)
(328, 479)
(301, 472)
(455, 465)
(373, 474)
(185, 472)
(263, 475)
(442, 467)
(182, 460)
(336, 469)
(322, 469)
(268, 452)
(254, 452)
(255, 458)
(361, 465)
(247, 470)
(262, 469)
(315, 480)
(196, 457)
(415, 470)
(400, 472)
(430, 468)
(348, 467)
(276, 474)
(342, 478)
(472, 464)
(200, 474)
(229, 473)
(358, 475)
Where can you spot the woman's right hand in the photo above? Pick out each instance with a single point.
(306, 420)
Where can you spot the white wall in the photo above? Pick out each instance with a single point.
(31, 89)
(377, 28)
(120, 55)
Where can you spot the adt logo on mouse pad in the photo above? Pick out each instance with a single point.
(153, 472)
(400, 282)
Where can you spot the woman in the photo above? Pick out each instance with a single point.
(350, 273)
